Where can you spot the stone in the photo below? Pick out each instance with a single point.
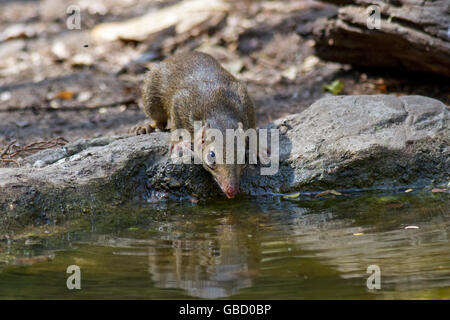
(339, 142)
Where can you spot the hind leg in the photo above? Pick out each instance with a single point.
(152, 104)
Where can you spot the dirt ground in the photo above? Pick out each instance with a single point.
(56, 82)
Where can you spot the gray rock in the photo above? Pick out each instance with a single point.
(343, 142)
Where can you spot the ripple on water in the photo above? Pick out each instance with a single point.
(263, 248)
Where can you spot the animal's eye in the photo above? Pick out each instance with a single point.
(211, 159)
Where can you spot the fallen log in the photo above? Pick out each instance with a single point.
(412, 34)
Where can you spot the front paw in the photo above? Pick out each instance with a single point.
(142, 129)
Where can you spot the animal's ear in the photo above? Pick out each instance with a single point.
(200, 136)
(204, 128)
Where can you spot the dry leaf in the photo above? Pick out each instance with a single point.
(17, 31)
(60, 50)
(290, 73)
(327, 192)
(81, 59)
(65, 95)
(84, 96)
(309, 63)
(435, 190)
(382, 88)
(323, 193)
(234, 67)
(184, 16)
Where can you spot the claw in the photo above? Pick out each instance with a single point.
(143, 129)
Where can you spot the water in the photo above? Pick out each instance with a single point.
(263, 248)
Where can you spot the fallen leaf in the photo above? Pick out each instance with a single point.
(290, 73)
(292, 196)
(60, 50)
(288, 6)
(335, 87)
(65, 95)
(324, 193)
(54, 104)
(358, 234)
(81, 59)
(17, 31)
(408, 190)
(309, 63)
(381, 87)
(234, 67)
(84, 96)
(183, 16)
(435, 190)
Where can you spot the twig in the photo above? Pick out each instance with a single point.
(10, 160)
(8, 153)
(5, 151)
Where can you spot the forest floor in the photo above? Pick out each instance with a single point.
(56, 82)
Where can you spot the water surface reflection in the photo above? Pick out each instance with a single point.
(270, 248)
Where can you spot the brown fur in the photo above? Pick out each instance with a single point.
(194, 87)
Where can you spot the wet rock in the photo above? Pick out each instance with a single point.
(342, 142)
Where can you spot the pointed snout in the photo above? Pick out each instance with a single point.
(228, 177)
(231, 191)
(230, 188)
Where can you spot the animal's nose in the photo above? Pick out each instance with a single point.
(231, 192)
